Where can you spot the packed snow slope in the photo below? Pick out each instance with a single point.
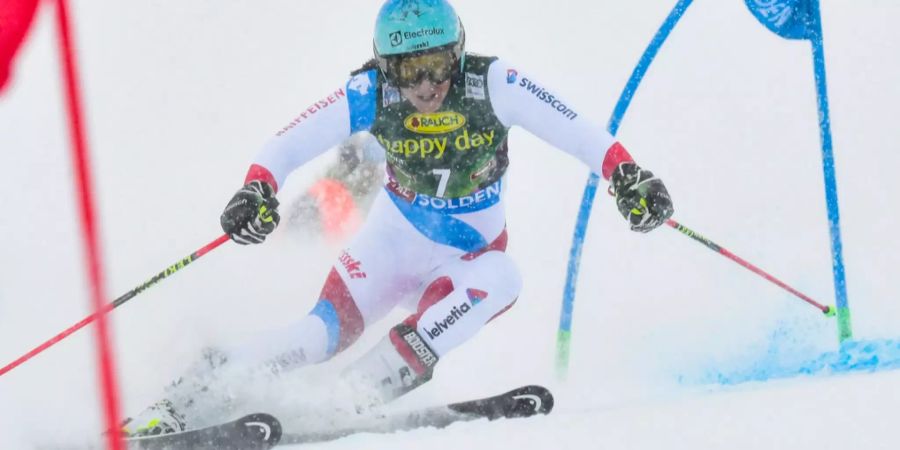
(180, 95)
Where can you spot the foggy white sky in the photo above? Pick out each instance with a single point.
(180, 96)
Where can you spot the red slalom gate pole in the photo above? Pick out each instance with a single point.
(118, 302)
(91, 238)
(827, 310)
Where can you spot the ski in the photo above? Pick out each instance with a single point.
(263, 431)
(523, 402)
(251, 432)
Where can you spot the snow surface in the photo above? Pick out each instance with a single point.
(180, 96)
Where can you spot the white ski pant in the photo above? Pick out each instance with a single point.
(442, 260)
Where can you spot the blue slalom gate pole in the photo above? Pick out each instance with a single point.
(845, 330)
(564, 333)
(802, 20)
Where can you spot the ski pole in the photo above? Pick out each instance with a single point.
(117, 302)
(827, 310)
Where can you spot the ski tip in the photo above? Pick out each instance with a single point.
(262, 428)
(531, 400)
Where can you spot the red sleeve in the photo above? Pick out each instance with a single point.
(15, 19)
(614, 156)
(260, 173)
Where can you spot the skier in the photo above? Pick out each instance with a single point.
(334, 205)
(435, 236)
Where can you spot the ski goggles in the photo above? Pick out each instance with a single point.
(409, 71)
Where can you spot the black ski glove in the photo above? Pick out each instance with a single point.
(640, 197)
(251, 214)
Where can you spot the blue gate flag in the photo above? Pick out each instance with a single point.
(790, 19)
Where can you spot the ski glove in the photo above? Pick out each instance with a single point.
(641, 198)
(251, 214)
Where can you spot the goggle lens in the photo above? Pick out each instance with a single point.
(412, 70)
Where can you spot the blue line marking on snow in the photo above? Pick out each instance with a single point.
(852, 356)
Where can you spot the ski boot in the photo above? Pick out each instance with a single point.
(159, 418)
(399, 363)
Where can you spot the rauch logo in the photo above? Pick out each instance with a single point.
(434, 123)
